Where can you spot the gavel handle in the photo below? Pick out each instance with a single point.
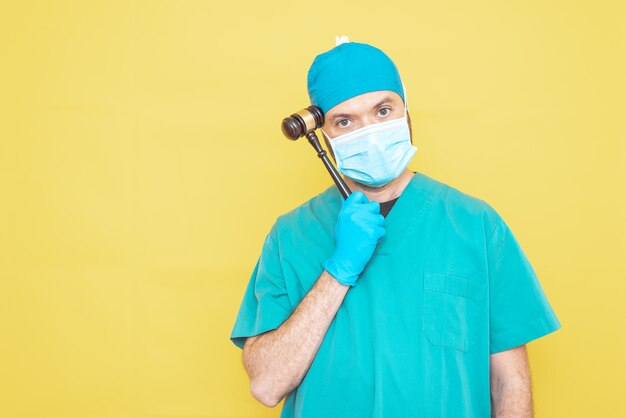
(341, 185)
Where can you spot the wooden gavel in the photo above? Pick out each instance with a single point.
(304, 123)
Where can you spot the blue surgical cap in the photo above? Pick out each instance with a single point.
(350, 69)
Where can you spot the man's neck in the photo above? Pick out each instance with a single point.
(388, 192)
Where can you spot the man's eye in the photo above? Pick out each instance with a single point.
(384, 111)
(344, 123)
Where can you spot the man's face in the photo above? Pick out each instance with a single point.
(362, 110)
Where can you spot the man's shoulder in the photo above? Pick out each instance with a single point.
(314, 210)
(462, 203)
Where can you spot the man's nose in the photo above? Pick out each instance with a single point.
(368, 120)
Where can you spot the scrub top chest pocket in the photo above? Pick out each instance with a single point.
(451, 310)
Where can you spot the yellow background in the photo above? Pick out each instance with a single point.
(142, 164)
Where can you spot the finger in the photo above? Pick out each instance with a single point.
(354, 198)
(358, 197)
(374, 206)
(380, 231)
(374, 218)
(369, 218)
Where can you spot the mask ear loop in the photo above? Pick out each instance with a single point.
(325, 135)
(406, 106)
(406, 102)
(329, 143)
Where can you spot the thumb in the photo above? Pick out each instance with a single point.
(357, 197)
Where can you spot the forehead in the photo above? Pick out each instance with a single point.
(364, 102)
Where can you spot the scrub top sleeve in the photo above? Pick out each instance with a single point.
(265, 305)
(519, 310)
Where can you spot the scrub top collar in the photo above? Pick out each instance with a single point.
(402, 218)
(404, 214)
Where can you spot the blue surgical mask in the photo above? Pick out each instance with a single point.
(375, 154)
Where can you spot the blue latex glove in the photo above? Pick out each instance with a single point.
(358, 231)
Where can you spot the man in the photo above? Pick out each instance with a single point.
(409, 298)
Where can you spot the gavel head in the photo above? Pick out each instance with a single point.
(303, 122)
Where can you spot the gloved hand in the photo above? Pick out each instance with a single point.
(358, 230)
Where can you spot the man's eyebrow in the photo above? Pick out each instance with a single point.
(340, 115)
(386, 99)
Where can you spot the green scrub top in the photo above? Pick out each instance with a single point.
(446, 287)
